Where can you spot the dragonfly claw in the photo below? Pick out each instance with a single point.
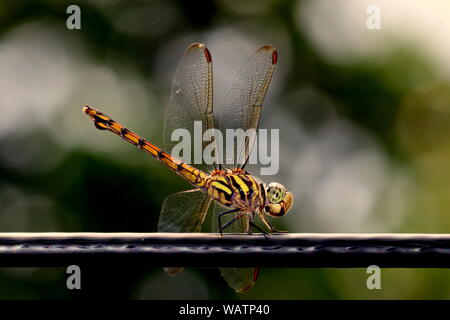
(279, 231)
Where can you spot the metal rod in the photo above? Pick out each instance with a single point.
(326, 250)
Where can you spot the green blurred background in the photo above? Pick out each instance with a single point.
(364, 119)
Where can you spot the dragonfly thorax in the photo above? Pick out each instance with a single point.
(237, 190)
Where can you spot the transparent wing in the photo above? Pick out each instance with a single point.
(191, 100)
(183, 212)
(243, 104)
(240, 279)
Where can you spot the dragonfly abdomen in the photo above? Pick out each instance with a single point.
(237, 191)
(103, 122)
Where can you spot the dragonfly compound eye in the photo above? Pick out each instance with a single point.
(275, 192)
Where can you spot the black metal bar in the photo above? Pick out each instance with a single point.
(231, 250)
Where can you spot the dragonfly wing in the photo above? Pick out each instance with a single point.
(183, 212)
(240, 279)
(243, 104)
(190, 100)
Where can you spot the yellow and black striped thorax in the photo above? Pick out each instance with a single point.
(237, 191)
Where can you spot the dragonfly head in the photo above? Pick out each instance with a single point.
(280, 200)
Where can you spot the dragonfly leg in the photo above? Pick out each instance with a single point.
(219, 219)
(252, 224)
(250, 227)
(271, 227)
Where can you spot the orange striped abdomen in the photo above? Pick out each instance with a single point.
(193, 175)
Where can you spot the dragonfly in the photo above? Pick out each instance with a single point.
(228, 191)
